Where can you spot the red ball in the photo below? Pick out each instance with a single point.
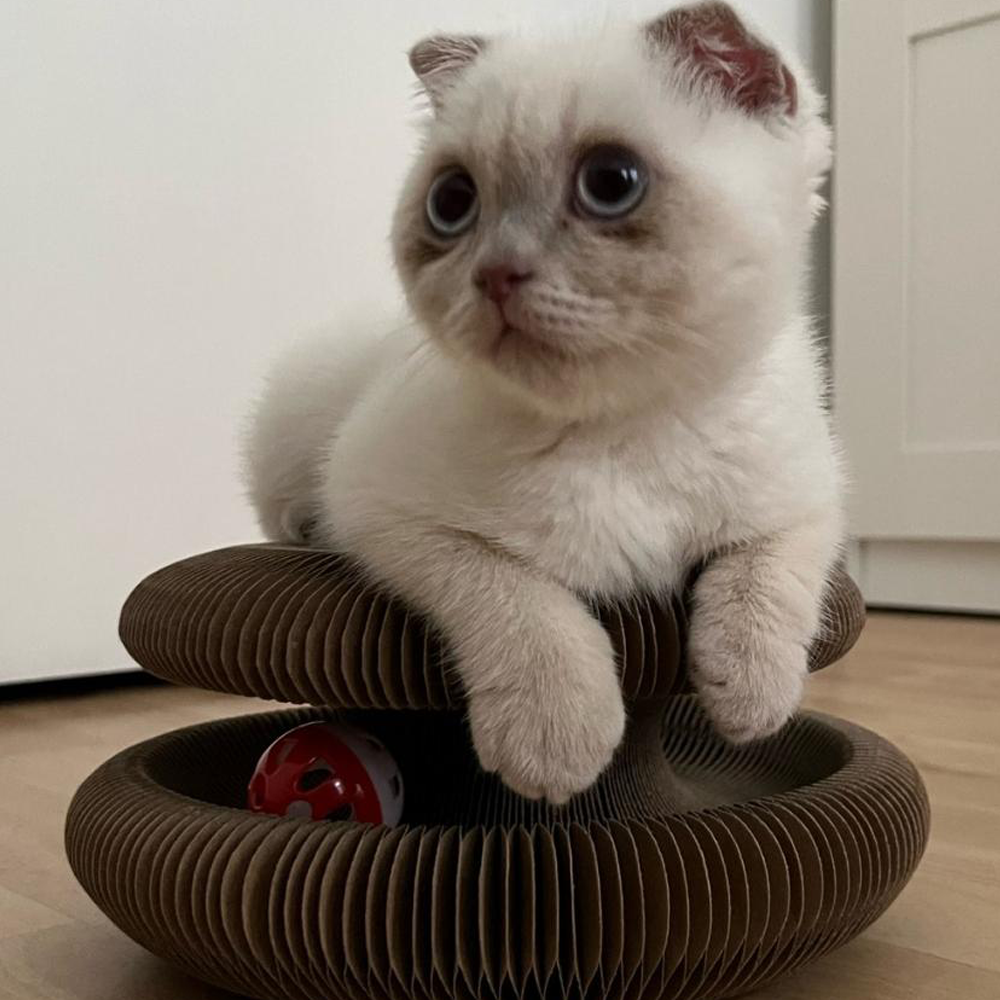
(327, 771)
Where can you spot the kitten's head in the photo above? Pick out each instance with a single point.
(599, 221)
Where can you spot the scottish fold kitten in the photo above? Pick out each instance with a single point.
(602, 241)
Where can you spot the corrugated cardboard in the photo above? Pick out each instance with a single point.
(691, 869)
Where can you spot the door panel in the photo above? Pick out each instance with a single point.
(916, 260)
(916, 295)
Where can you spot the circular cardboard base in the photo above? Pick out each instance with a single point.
(755, 860)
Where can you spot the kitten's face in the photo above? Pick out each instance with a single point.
(591, 234)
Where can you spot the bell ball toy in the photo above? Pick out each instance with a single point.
(324, 770)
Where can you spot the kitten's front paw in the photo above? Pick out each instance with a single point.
(747, 669)
(295, 522)
(299, 523)
(552, 736)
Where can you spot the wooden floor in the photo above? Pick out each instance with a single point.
(932, 685)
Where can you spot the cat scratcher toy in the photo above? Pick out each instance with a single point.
(692, 869)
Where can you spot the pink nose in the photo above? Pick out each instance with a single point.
(497, 281)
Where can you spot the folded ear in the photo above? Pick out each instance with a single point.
(711, 43)
(438, 61)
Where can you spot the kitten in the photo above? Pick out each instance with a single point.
(602, 241)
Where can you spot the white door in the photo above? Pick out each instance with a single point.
(916, 295)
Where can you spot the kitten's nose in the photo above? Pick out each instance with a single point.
(497, 281)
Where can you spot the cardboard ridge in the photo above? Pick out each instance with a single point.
(304, 626)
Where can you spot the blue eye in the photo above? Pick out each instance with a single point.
(610, 182)
(452, 203)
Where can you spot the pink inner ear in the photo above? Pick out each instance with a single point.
(749, 71)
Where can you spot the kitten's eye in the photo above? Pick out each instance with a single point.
(452, 203)
(610, 182)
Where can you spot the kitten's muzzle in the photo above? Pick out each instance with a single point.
(498, 281)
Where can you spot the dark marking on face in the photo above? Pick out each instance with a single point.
(419, 252)
(629, 230)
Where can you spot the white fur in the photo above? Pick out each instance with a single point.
(494, 484)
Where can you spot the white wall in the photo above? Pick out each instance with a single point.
(184, 185)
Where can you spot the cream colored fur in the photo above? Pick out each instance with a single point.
(664, 404)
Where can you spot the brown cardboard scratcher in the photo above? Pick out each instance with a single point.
(692, 869)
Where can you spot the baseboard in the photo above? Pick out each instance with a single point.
(929, 576)
(60, 687)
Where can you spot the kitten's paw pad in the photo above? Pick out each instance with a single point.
(548, 748)
(749, 685)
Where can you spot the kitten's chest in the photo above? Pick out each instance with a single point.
(603, 513)
(601, 517)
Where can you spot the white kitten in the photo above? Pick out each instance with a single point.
(602, 241)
